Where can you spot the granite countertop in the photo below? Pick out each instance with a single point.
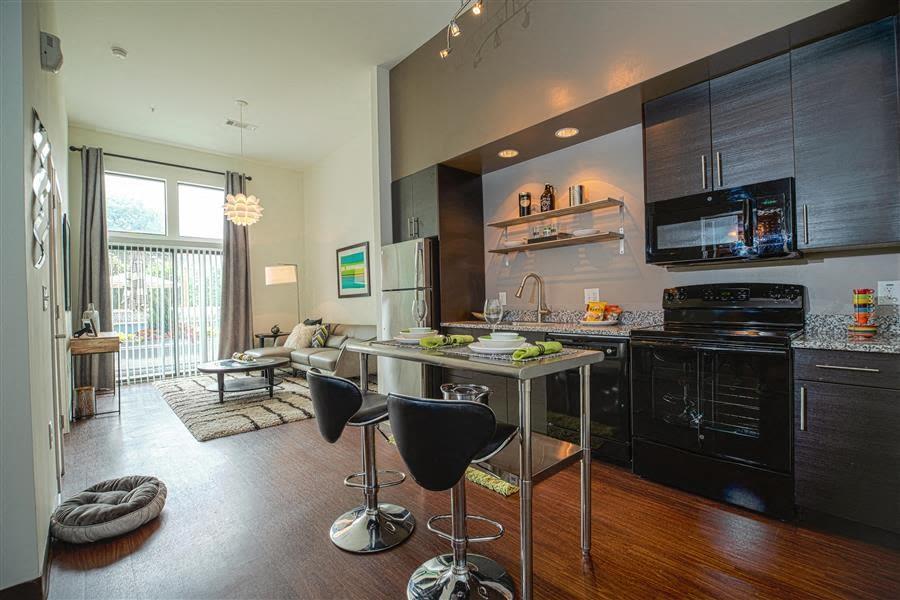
(838, 340)
(623, 330)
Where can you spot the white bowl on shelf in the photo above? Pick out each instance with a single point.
(513, 243)
(584, 232)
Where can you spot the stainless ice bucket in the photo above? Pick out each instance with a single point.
(465, 391)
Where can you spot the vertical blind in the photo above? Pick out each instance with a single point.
(166, 306)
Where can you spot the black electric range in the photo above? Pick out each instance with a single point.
(711, 393)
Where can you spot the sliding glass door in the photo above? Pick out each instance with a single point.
(166, 306)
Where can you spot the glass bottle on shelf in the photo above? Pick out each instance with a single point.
(547, 198)
(524, 204)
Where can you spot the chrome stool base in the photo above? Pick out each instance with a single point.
(362, 532)
(485, 579)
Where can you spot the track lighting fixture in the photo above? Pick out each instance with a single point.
(453, 28)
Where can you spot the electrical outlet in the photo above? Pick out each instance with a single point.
(591, 295)
(502, 298)
(888, 293)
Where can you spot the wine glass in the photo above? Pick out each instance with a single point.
(420, 310)
(493, 312)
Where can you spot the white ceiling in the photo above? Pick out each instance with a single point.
(304, 68)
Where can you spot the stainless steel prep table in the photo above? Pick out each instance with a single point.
(523, 372)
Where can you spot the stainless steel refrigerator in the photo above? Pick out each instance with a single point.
(408, 275)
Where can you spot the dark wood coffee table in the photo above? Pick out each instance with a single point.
(243, 384)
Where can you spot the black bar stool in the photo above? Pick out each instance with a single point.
(373, 526)
(438, 440)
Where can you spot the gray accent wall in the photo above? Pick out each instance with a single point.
(612, 165)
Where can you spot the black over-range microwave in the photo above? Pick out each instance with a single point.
(750, 222)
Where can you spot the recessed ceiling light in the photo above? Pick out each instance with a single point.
(508, 153)
(567, 132)
(119, 52)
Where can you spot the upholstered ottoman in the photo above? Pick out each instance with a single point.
(108, 509)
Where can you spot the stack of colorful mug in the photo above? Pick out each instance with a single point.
(863, 325)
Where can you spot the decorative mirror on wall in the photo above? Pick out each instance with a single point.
(40, 188)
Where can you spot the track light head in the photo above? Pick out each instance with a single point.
(445, 52)
(455, 31)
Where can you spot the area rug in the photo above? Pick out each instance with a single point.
(207, 418)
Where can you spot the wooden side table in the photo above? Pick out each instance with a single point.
(262, 337)
(105, 342)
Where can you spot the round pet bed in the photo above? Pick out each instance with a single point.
(108, 509)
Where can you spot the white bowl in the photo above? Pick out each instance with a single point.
(420, 329)
(514, 243)
(504, 335)
(416, 335)
(489, 342)
(584, 232)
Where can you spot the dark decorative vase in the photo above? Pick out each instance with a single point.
(275, 329)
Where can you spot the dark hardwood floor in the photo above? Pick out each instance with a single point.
(247, 517)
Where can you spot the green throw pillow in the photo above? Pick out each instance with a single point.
(320, 336)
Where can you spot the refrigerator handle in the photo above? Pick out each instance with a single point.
(420, 264)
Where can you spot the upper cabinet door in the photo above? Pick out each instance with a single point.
(847, 145)
(752, 136)
(425, 202)
(402, 205)
(677, 144)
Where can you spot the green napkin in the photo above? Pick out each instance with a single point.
(537, 349)
(436, 341)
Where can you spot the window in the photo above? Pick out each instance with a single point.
(135, 204)
(200, 211)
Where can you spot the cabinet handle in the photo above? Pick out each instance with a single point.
(409, 227)
(719, 168)
(416, 226)
(805, 223)
(703, 171)
(841, 368)
(802, 408)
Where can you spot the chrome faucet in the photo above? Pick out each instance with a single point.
(542, 309)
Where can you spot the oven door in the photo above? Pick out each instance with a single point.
(746, 405)
(705, 227)
(727, 401)
(665, 393)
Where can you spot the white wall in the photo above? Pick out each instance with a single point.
(28, 491)
(339, 210)
(612, 165)
(276, 238)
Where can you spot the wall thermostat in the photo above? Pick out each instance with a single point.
(51, 53)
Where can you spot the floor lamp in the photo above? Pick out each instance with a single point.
(282, 274)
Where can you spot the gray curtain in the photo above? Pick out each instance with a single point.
(96, 370)
(236, 325)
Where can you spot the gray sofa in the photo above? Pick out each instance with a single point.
(333, 359)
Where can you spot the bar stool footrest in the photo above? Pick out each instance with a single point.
(349, 481)
(472, 540)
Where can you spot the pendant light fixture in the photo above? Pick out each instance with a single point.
(453, 28)
(239, 208)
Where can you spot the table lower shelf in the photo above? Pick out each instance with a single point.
(548, 456)
(244, 384)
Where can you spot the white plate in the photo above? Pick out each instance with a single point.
(513, 343)
(416, 336)
(403, 340)
(478, 348)
(584, 232)
(601, 323)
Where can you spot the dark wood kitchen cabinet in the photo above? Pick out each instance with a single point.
(447, 203)
(415, 204)
(752, 135)
(847, 139)
(733, 130)
(846, 454)
(677, 144)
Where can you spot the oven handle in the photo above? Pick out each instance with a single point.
(688, 346)
(748, 230)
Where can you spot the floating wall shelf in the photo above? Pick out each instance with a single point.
(562, 212)
(559, 212)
